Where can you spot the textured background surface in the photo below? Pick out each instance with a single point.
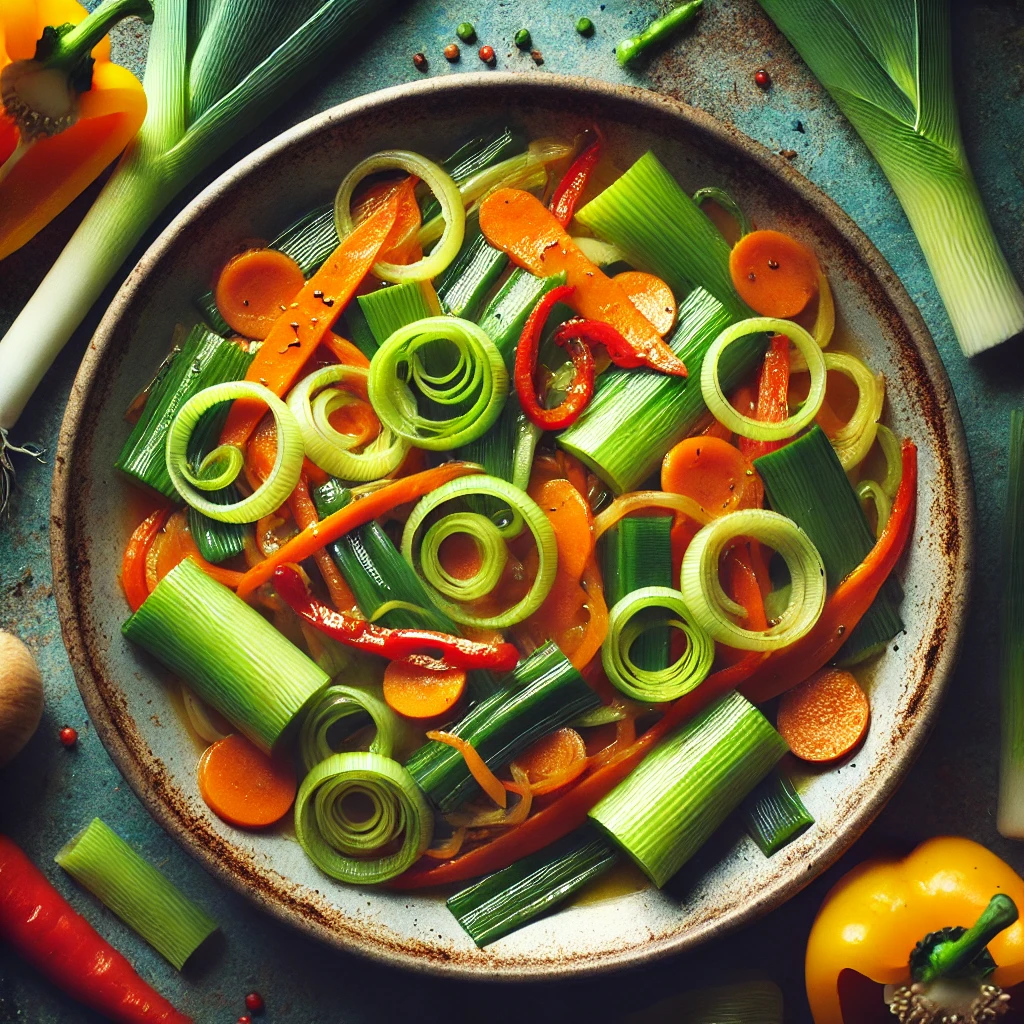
(49, 793)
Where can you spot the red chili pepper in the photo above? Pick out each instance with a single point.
(772, 396)
(396, 644)
(759, 677)
(574, 181)
(133, 563)
(597, 332)
(579, 391)
(41, 925)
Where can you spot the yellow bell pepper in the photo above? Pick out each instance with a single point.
(57, 134)
(876, 915)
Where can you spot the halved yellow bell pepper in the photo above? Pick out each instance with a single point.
(876, 915)
(39, 176)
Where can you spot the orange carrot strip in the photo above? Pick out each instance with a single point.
(712, 472)
(344, 351)
(774, 274)
(254, 287)
(300, 328)
(178, 545)
(651, 296)
(244, 786)
(523, 227)
(486, 779)
(133, 563)
(414, 691)
(357, 513)
(825, 717)
(553, 760)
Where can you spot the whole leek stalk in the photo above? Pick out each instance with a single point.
(888, 66)
(213, 72)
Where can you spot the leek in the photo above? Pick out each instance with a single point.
(227, 652)
(663, 812)
(213, 72)
(1010, 817)
(740, 1001)
(143, 897)
(388, 309)
(889, 68)
(472, 274)
(514, 896)
(348, 708)
(542, 694)
(774, 814)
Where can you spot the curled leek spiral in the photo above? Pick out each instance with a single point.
(333, 706)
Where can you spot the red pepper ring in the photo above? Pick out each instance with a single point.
(580, 389)
(596, 332)
(568, 191)
(396, 644)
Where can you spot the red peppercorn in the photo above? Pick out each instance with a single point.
(487, 54)
(68, 736)
(254, 1002)
(420, 61)
(246, 1019)
(452, 52)
(762, 79)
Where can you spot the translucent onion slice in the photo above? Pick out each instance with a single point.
(341, 838)
(199, 717)
(825, 319)
(854, 439)
(334, 705)
(330, 449)
(716, 612)
(477, 387)
(636, 500)
(530, 513)
(497, 817)
(714, 396)
(490, 545)
(869, 490)
(628, 620)
(224, 463)
(893, 460)
(446, 192)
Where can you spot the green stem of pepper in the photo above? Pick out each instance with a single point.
(950, 958)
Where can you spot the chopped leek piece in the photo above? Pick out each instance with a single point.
(636, 416)
(463, 287)
(663, 812)
(717, 613)
(357, 330)
(143, 897)
(427, 563)
(227, 652)
(888, 67)
(805, 482)
(774, 814)
(534, 885)
(207, 306)
(662, 230)
(388, 309)
(506, 313)
(638, 553)
(727, 203)
(740, 1001)
(205, 359)
(332, 825)
(542, 694)
(1010, 817)
(349, 708)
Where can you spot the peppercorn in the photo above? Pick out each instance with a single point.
(254, 1002)
(585, 27)
(420, 61)
(68, 736)
(466, 32)
(523, 39)
(452, 52)
(486, 54)
(762, 79)
(245, 1019)
(538, 58)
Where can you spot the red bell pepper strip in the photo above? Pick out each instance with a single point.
(133, 562)
(756, 676)
(396, 644)
(353, 515)
(772, 396)
(597, 332)
(579, 391)
(848, 603)
(568, 191)
(569, 811)
(42, 926)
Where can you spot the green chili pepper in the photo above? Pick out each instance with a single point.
(658, 31)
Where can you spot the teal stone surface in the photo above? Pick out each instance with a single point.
(48, 793)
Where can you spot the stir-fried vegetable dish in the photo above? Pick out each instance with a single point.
(491, 506)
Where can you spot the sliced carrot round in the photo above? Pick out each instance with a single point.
(553, 760)
(244, 786)
(416, 692)
(651, 296)
(774, 274)
(825, 717)
(253, 287)
(714, 473)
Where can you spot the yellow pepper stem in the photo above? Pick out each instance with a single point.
(953, 957)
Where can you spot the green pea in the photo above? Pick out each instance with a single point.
(466, 32)
(523, 39)
(585, 27)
